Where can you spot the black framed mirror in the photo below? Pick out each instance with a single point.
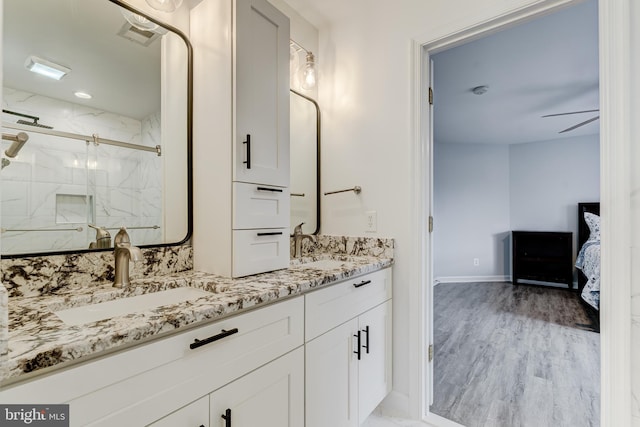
(109, 143)
(305, 137)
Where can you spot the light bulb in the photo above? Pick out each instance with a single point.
(165, 5)
(309, 73)
(138, 21)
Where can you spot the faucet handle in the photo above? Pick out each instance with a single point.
(122, 237)
(298, 229)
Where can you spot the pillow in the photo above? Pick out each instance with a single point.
(593, 222)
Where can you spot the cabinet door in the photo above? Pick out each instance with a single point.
(374, 367)
(262, 94)
(331, 378)
(271, 396)
(195, 414)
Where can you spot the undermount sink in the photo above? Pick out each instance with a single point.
(119, 307)
(325, 264)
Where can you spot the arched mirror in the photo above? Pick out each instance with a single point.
(96, 127)
(305, 163)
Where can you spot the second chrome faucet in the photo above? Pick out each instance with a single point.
(123, 252)
(298, 237)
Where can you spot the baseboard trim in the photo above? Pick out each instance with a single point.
(470, 279)
(395, 405)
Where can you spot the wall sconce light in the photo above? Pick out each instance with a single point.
(308, 71)
(165, 5)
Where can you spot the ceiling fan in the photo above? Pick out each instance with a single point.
(593, 119)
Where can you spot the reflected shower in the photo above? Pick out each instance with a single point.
(18, 141)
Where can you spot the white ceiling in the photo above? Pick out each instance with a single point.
(122, 76)
(545, 66)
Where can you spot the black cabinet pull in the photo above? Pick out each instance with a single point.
(275, 190)
(199, 343)
(227, 418)
(366, 331)
(272, 233)
(364, 282)
(359, 342)
(248, 142)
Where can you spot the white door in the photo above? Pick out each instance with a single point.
(272, 396)
(374, 366)
(331, 378)
(262, 94)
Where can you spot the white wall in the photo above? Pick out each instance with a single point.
(471, 212)
(549, 179)
(635, 216)
(365, 94)
(365, 46)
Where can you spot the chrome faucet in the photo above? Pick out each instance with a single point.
(122, 253)
(298, 237)
(103, 238)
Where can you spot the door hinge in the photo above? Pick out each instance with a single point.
(430, 224)
(430, 96)
(430, 352)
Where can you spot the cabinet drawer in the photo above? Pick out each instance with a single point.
(140, 385)
(260, 206)
(259, 251)
(194, 414)
(327, 308)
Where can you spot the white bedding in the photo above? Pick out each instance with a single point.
(588, 261)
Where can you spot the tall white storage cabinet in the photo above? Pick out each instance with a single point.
(241, 137)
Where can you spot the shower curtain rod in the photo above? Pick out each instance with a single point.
(88, 138)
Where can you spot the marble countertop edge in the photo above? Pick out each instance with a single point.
(38, 339)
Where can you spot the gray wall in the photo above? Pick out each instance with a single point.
(482, 191)
(471, 209)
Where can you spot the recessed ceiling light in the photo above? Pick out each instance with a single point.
(46, 68)
(83, 95)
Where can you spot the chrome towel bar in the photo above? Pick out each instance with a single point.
(357, 189)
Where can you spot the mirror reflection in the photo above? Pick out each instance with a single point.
(95, 128)
(305, 163)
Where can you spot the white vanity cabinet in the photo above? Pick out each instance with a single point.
(272, 396)
(195, 414)
(241, 137)
(166, 377)
(348, 350)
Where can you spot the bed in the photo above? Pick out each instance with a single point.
(588, 259)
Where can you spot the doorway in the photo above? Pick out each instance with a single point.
(615, 315)
(504, 354)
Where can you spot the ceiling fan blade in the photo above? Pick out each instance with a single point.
(593, 119)
(573, 112)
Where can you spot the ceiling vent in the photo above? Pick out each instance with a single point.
(136, 35)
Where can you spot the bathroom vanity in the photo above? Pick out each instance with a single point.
(316, 335)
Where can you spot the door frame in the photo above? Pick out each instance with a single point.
(615, 134)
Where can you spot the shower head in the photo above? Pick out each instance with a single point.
(18, 141)
(33, 123)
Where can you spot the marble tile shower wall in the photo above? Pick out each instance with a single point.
(47, 184)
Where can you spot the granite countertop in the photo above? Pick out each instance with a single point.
(38, 339)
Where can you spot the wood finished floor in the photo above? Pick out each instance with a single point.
(512, 356)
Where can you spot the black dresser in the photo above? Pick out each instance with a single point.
(545, 256)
